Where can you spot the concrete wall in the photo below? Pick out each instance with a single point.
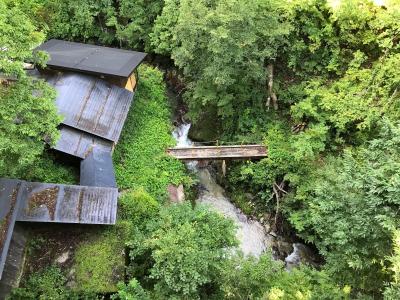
(14, 262)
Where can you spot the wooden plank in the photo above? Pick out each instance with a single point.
(218, 152)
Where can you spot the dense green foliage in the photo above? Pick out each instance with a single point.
(187, 248)
(28, 116)
(140, 158)
(124, 22)
(47, 284)
(349, 206)
(265, 278)
(225, 66)
(317, 81)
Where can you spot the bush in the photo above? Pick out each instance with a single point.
(265, 278)
(46, 284)
(137, 207)
(140, 158)
(348, 208)
(184, 250)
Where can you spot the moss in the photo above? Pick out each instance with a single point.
(100, 261)
(50, 169)
(241, 201)
(140, 159)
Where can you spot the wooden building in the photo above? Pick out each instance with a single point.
(95, 89)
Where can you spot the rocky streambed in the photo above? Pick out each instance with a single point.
(254, 236)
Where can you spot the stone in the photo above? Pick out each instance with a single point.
(301, 255)
(62, 259)
(176, 193)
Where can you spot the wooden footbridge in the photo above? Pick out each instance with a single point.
(218, 152)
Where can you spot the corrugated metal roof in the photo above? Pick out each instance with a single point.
(91, 58)
(78, 143)
(46, 202)
(9, 205)
(97, 169)
(91, 104)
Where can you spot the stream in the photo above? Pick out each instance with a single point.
(250, 233)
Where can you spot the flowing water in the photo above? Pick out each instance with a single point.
(250, 233)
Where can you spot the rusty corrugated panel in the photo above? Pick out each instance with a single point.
(78, 143)
(9, 205)
(92, 58)
(45, 202)
(91, 104)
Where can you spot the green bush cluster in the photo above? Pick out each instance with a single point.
(46, 284)
(140, 157)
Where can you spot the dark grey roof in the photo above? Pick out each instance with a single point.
(97, 169)
(9, 205)
(47, 202)
(78, 143)
(91, 58)
(91, 104)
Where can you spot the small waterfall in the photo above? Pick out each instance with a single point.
(250, 233)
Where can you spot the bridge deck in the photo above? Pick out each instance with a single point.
(218, 152)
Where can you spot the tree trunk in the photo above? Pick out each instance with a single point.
(270, 83)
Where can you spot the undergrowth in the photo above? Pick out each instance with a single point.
(140, 158)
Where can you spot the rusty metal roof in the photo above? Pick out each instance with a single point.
(9, 205)
(79, 143)
(47, 202)
(91, 104)
(91, 58)
(97, 169)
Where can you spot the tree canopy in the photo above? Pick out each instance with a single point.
(28, 116)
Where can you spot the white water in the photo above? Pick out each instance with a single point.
(250, 233)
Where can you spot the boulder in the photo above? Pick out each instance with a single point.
(176, 193)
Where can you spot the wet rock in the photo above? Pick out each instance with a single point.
(203, 164)
(176, 193)
(71, 283)
(284, 248)
(62, 259)
(301, 255)
(267, 227)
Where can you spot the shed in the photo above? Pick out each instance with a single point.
(116, 65)
(79, 143)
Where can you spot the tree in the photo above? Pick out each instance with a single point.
(28, 116)
(188, 248)
(225, 67)
(266, 278)
(348, 207)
